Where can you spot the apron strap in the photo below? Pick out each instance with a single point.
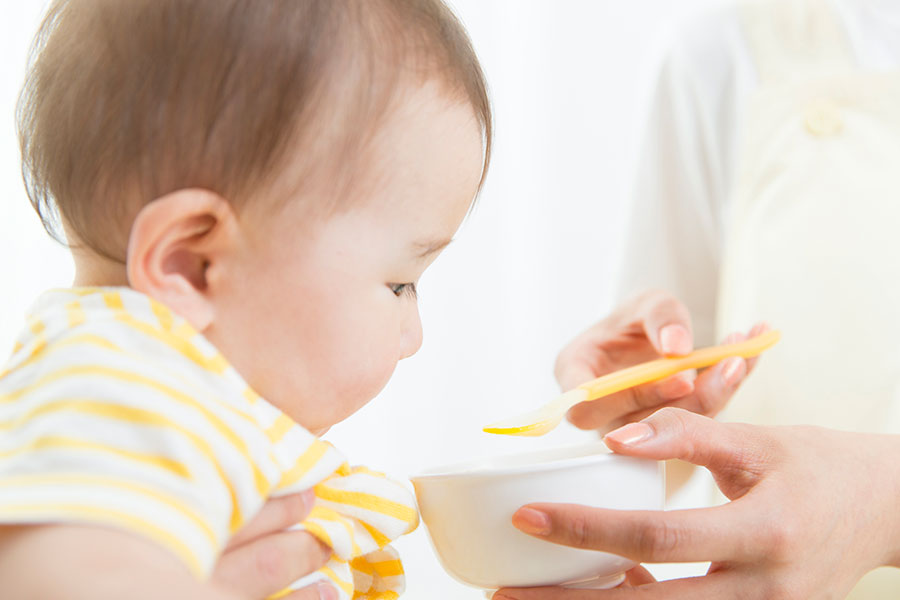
(791, 38)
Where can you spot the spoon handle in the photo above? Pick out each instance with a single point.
(666, 367)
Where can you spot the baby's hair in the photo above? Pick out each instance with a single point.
(128, 100)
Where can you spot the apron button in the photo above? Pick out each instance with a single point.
(823, 118)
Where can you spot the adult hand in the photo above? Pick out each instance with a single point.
(651, 325)
(812, 511)
(263, 558)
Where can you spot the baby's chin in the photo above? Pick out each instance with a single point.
(321, 426)
(334, 407)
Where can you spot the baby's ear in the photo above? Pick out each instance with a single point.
(173, 242)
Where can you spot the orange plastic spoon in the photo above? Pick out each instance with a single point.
(540, 421)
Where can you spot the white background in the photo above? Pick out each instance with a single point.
(535, 263)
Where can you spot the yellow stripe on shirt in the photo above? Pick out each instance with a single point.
(36, 326)
(93, 480)
(44, 350)
(380, 539)
(71, 443)
(388, 595)
(304, 463)
(81, 292)
(344, 585)
(185, 330)
(215, 364)
(75, 314)
(388, 568)
(322, 513)
(137, 416)
(262, 485)
(285, 592)
(163, 314)
(279, 428)
(368, 502)
(251, 396)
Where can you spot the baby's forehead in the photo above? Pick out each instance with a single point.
(397, 156)
(422, 166)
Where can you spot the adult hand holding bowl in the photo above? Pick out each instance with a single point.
(812, 511)
(468, 508)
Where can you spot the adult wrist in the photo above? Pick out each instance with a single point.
(881, 477)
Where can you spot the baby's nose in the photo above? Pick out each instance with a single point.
(411, 337)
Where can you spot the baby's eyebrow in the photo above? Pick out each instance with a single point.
(426, 248)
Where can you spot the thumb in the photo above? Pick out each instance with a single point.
(321, 591)
(676, 433)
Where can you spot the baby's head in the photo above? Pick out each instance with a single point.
(278, 172)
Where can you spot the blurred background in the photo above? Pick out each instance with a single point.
(534, 264)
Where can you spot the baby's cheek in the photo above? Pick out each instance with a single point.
(364, 388)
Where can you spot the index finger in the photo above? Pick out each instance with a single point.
(719, 533)
(277, 514)
(666, 323)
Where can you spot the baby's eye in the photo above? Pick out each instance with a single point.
(401, 289)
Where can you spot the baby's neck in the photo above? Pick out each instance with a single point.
(95, 271)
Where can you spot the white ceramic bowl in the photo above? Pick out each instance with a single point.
(468, 510)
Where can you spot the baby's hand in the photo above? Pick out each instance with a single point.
(263, 558)
(651, 325)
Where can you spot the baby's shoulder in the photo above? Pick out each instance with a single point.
(116, 349)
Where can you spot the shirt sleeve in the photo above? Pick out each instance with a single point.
(685, 168)
(127, 446)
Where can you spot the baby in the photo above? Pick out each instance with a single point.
(250, 190)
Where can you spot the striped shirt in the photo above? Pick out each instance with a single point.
(115, 412)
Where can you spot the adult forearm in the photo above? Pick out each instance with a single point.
(894, 477)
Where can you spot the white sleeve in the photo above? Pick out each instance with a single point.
(685, 168)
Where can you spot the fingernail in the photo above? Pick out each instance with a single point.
(532, 521)
(631, 434)
(674, 339)
(732, 371)
(327, 592)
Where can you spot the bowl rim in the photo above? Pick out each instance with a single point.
(458, 471)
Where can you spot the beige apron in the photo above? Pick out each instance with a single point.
(812, 242)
